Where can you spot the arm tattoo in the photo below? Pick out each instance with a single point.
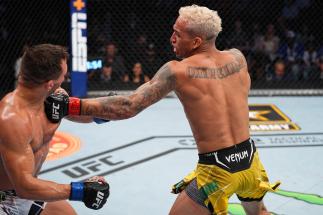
(162, 83)
(239, 57)
(122, 107)
(219, 72)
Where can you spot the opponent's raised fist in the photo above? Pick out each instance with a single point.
(94, 194)
(57, 106)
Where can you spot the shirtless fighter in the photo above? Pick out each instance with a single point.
(25, 133)
(213, 87)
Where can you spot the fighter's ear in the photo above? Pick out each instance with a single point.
(197, 41)
(49, 85)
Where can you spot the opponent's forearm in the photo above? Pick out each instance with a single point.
(38, 189)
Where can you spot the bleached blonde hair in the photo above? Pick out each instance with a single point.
(201, 20)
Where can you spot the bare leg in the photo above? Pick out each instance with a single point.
(255, 208)
(58, 208)
(184, 205)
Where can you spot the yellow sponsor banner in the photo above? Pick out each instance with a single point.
(268, 117)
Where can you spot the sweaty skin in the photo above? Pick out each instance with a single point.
(24, 149)
(25, 134)
(212, 86)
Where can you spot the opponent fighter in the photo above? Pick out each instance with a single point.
(25, 133)
(213, 87)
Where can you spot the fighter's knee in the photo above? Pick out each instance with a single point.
(58, 207)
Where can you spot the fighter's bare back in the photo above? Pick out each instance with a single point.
(212, 86)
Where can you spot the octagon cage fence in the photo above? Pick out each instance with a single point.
(128, 40)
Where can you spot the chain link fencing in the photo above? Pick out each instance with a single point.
(281, 41)
(24, 23)
(128, 40)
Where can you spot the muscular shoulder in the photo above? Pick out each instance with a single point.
(13, 122)
(173, 66)
(166, 75)
(179, 67)
(235, 51)
(14, 134)
(238, 55)
(9, 110)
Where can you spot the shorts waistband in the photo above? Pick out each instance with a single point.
(5, 193)
(36, 207)
(8, 192)
(233, 159)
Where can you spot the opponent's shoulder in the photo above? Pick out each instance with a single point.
(15, 125)
(8, 108)
(12, 118)
(14, 132)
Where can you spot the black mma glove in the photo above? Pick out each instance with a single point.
(57, 106)
(93, 194)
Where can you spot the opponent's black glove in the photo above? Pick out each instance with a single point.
(93, 194)
(57, 106)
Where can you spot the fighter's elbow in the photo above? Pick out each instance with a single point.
(25, 188)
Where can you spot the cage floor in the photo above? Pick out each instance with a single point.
(142, 157)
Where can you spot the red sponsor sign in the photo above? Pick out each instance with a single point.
(62, 145)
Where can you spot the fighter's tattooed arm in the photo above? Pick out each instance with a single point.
(122, 107)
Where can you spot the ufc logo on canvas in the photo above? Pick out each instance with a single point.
(99, 198)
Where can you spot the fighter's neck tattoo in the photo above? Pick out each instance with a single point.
(218, 72)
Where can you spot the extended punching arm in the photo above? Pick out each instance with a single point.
(57, 106)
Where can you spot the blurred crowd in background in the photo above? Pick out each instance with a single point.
(282, 40)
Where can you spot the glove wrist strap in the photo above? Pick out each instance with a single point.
(99, 121)
(77, 191)
(74, 106)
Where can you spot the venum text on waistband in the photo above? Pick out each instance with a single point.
(237, 157)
